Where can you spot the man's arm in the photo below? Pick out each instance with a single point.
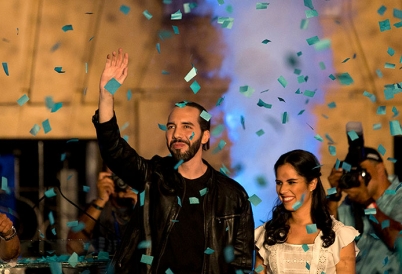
(333, 200)
(9, 241)
(116, 68)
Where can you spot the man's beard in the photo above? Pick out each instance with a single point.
(187, 155)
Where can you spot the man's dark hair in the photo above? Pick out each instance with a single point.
(204, 124)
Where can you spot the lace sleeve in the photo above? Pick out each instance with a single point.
(259, 237)
(344, 235)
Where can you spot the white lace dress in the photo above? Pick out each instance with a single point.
(308, 258)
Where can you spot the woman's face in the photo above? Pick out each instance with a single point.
(293, 190)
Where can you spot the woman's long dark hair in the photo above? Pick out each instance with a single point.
(307, 166)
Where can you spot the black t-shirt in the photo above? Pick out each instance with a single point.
(185, 248)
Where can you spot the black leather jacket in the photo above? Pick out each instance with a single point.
(228, 218)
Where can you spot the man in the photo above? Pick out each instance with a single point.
(9, 241)
(374, 208)
(191, 218)
(105, 218)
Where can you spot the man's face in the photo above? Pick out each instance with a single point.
(183, 135)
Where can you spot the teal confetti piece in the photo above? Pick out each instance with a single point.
(395, 128)
(229, 253)
(307, 265)
(329, 138)
(322, 44)
(246, 90)
(56, 107)
(224, 170)
(125, 9)
(5, 68)
(318, 137)
(67, 28)
(79, 227)
(203, 191)
(255, 200)
(258, 269)
(176, 16)
(146, 259)
(381, 110)
(332, 105)
(162, 127)
(112, 86)
(312, 228)
(23, 99)
(285, 118)
(62, 157)
(178, 164)
(297, 205)
(261, 103)
(312, 40)
(226, 22)
(379, 73)
(308, 4)
(337, 164)
(304, 23)
(390, 51)
(59, 69)
(216, 131)
(381, 149)
(72, 140)
(265, 41)
(144, 244)
(221, 144)
(395, 111)
(384, 224)
(309, 93)
(388, 94)
(209, 251)
(311, 13)
(35, 129)
(186, 7)
(346, 166)
(305, 247)
(370, 211)
(72, 223)
(322, 66)
(347, 59)
(142, 198)
(158, 47)
(124, 126)
(176, 30)
(393, 160)
(389, 65)
(398, 25)
(260, 132)
(242, 122)
(300, 79)
(370, 96)
(90, 39)
(4, 183)
(182, 104)
(169, 271)
(382, 10)
(353, 135)
(46, 126)
(55, 267)
(384, 25)
(205, 115)
(192, 136)
(86, 188)
(345, 79)
(297, 71)
(301, 112)
(194, 200)
(219, 102)
(54, 231)
(261, 6)
(299, 53)
(165, 72)
(332, 150)
(390, 192)
(191, 74)
(103, 255)
(332, 77)
(147, 14)
(397, 13)
(282, 81)
(195, 87)
(261, 181)
(331, 191)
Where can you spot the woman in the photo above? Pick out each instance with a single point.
(302, 237)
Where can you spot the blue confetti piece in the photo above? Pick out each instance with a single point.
(72, 223)
(260, 132)
(34, 130)
(79, 227)
(46, 126)
(129, 95)
(353, 135)
(216, 131)
(297, 205)
(332, 150)
(305, 247)
(146, 259)
(176, 16)
(54, 231)
(385, 224)
(182, 104)
(385, 262)
(50, 193)
(86, 188)
(112, 86)
(311, 13)
(332, 105)
(382, 10)
(369, 211)
(169, 271)
(144, 244)
(162, 127)
(203, 191)
(246, 90)
(194, 200)
(318, 138)
(56, 107)
(176, 30)
(259, 268)
(158, 47)
(51, 218)
(255, 200)
(282, 81)
(307, 265)
(209, 251)
(381, 149)
(205, 115)
(312, 228)
(125, 9)
(178, 164)
(103, 255)
(195, 87)
(346, 166)
(55, 267)
(261, 103)
(384, 25)
(179, 201)
(23, 99)
(191, 136)
(147, 14)
(229, 253)
(142, 198)
(261, 6)
(59, 69)
(395, 128)
(312, 40)
(285, 118)
(309, 93)
(5, 68)
(332, 191)
(67, 28)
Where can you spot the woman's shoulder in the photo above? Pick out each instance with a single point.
(344, 234)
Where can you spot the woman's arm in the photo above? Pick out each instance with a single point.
(259, 263)
(347, 262)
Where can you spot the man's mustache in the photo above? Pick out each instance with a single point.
(179, 141)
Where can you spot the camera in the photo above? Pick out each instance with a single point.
(119, 184)
(356, 154)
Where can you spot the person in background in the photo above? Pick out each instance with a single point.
(105, 218)
(192, 218)
(374, 207)
(9, 241)
(302, 237)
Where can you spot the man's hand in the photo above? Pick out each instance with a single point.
(105, 187)
(358, 194)
(334, 177)
(128, 193)
(5, 225)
